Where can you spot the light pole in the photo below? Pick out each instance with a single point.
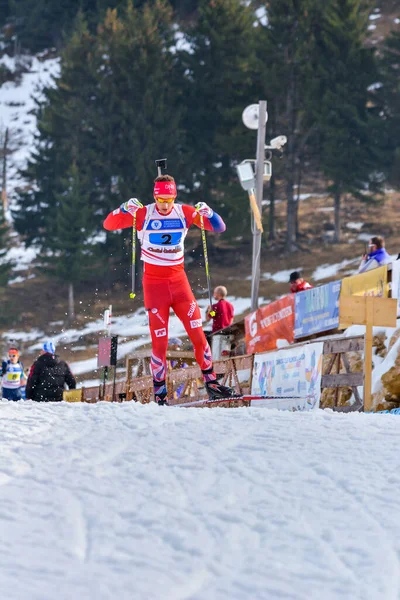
(255, 116)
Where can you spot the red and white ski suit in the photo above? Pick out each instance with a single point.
(165, 284)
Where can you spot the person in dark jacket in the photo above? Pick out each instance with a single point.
(48, 376)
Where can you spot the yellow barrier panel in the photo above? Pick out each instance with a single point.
(72, 395)
(371, 283)
(368, 311)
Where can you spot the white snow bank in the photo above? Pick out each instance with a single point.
(330, 271)
(111, 501)
(280, 276)
(354, 225)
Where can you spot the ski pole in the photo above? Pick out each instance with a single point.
(203, 237)
(133, 292)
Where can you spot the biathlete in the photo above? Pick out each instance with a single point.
(14, 380)
(162, 227)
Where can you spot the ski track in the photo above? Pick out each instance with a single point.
(123, 501)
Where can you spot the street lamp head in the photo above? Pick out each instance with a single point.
(246, 175)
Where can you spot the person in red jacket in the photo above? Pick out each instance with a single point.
(222, 308)
(162, 228)
(297, 283)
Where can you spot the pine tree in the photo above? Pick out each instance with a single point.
(389, 98)
(4, 11)
(63, 120)
(220, 69)
(71, 242)
(343, 69)
(6, 265)
(140, 105)
(116, 108)
(285, 47)
(41, 24)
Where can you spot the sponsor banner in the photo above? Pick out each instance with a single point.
(270, 323)
(371, 283)
(317, 309)
(289, 378)
(396, 283)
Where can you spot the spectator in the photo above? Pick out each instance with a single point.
(223, 310)
(297, 283)
(48, 376)
(12, 371)
(376, 255)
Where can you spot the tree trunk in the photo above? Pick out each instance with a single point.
(4, 175)
(300, 172)
(290, 216)
(272, 188)
(290, 172)
(337, 197)
(71, 303)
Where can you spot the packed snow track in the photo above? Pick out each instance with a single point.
(131, 502)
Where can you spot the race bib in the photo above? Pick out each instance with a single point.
(166, 239)
(13, 376)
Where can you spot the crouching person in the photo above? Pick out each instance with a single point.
(48, 376)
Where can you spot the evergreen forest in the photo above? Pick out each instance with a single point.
(149, 79)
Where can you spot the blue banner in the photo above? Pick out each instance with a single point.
(317, 309)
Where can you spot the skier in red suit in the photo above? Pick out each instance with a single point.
(162, 228)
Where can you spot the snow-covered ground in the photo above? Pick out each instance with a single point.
(122, 502)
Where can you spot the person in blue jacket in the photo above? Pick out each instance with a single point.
(13, 376)
(376, 256)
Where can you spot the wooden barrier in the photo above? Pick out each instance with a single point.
(235, 372)
(140, 389)
(337, 348)
(142, 358)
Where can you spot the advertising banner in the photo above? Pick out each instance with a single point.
(317, 309)
(371, 283)
(270, 323)
(289, 378)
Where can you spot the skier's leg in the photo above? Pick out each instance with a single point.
(157, 297)
(158, 322)
(189, 313)
(187, 310)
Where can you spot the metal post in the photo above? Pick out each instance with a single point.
(257, 235)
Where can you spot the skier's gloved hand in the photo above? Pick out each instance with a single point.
(131, 206)
(204, 210)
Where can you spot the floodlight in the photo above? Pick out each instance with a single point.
(246, 175)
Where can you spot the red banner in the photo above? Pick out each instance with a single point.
(270, 323)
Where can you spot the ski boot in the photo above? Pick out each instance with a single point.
(162, 401)
(160, 393)
(216, 391)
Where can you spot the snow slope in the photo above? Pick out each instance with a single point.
(122, 502)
